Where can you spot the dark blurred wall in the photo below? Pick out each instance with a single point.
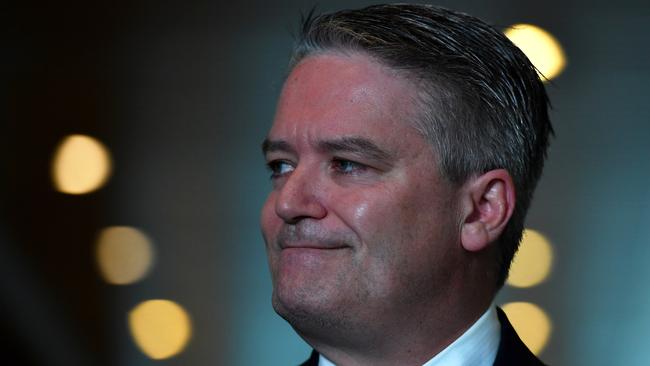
(182, 94)
(57, 80)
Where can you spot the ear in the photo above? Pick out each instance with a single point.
(488, 203)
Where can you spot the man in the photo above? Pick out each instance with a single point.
(406, 145)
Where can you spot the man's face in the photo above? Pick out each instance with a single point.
(359, 226)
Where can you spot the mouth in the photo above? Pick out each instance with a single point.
(312, 246)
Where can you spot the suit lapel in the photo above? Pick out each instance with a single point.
(512, 351)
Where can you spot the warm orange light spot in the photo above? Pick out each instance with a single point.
(81, 165)
(124, 254)
(160, 328)
(531, 324)
(533, 262)
(541, 48)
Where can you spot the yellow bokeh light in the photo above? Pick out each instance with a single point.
(533, 261)
(541, 48)
(531, 324)
(81, 164)
(124, 254)
(161, 328)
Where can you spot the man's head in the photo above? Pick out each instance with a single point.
(401, 138)
(482, 105)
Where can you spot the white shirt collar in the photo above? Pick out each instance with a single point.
(322, 361)
(478, 346)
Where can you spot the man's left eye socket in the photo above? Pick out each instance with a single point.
(347, 166)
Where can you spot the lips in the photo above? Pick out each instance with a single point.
(311, 245)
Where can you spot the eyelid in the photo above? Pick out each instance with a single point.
(365, 159)
(347, 160)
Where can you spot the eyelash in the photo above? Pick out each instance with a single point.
(357, 167)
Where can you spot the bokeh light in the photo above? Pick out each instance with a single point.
(81, 165)
(533, 262)
(160, 328)
(124, 254)
(541, 48)
(531, 324)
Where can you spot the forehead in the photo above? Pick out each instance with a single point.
(328, 95)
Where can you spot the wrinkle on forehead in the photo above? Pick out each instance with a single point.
(357, 87)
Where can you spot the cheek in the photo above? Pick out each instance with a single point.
(398, 227)
(360, 211)
(380, 222)
(356, 211)
(381, 211)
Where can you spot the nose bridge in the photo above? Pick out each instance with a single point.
(300, 195)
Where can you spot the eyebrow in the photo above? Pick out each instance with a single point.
(349, 144)
(276, 145)
(355, 145)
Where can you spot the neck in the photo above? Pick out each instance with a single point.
(409, 332)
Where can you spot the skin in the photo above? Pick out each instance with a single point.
(375, 258)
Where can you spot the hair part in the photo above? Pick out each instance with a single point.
(482, 103)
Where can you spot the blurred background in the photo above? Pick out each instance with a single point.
(132, 177)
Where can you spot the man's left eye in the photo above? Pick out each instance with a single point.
(347, 167)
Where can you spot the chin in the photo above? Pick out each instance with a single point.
(290, 302)
(309, 314)
(300, 314)
(320, 325)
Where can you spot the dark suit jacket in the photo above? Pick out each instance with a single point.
(512, 351)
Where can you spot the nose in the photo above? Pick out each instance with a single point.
(300, 197)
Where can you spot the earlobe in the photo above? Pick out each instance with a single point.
(489, 203)
(474, 236)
